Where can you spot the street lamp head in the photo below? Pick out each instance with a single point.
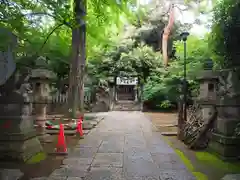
(184, 36)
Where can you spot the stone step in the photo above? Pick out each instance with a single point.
(169, 133)
(167, 125)
(126, 101)
(130, 106)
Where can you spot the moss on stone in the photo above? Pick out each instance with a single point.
(37, 158)
(213, 160)
(187, 162)
(190, 167)
(200, 176)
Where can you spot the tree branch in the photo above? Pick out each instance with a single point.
(54, 29)
(50, 15)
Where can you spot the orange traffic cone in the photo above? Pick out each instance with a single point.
(61, 145)
(79, 127)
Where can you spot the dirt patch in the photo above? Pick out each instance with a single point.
(165, 122)
(162, 118)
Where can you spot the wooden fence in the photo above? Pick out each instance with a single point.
(59, 101)
(62, 98)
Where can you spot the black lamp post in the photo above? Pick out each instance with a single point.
(184, 36)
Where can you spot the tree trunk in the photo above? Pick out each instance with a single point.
(165, 47)
(166, 33)
(76, 76)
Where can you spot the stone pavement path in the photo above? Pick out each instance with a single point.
(123, 146)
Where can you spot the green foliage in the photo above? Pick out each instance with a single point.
(44, 28)
(113, 48)
(124, 60)
(163, 86)
(225, 39)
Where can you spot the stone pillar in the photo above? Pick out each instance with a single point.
(116, 93)
(40, 79)
(224, 140)
(141, 96)
(135, 93)
(18, 141)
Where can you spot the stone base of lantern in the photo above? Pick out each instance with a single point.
(18, 138)
(226, 147)
(17, 148)
(43, 136)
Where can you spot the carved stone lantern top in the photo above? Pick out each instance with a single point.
(41, 62)
(41, 71)
(208, 74)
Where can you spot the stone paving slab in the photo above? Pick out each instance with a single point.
(70, 171)
(108, 160)
(104, 173)
(161, 149)
(113, 146)
(231, 177)
(176, 175)
(140, 168)
(86, 152)
(77, 161)
(77, 171)
(89, 143)
(108, 136)
(135, 141)
(137, 153)
(169, 162)
(142, 178)
(123, 146)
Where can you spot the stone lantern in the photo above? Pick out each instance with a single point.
(207, 93)
(40, 78)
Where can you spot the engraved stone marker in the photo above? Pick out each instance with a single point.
(18, 140)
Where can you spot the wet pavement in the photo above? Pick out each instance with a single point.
(123, 146)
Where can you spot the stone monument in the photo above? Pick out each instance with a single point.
(40, 78)
(18, 140)
(224, 140)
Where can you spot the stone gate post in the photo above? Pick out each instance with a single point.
(18, 141)
(224, 139)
